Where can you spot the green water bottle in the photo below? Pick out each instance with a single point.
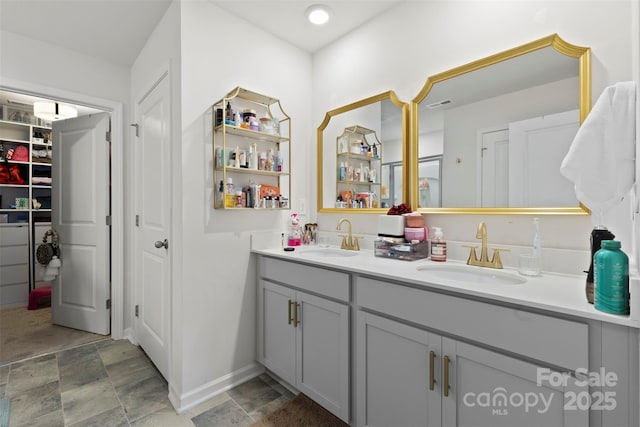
(611, 279)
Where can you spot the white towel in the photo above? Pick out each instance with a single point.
(601, 159)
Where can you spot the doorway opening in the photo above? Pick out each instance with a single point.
(26, 208)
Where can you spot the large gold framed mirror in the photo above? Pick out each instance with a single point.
(489, 136)
(362, 156)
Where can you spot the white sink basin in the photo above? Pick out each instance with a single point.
(471, 274)
(327, 252)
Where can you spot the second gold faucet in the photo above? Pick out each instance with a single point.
(349, 241)
(495, 262)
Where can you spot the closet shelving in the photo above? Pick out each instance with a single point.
(25, 209)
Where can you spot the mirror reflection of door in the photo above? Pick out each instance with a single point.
(536, 149)
(494, 169)
(429, 182)
(520, 166)
(391, 184)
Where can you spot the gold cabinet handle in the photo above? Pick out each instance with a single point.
(295, 315)
(432, 379)
(289, 316)
(446, 377)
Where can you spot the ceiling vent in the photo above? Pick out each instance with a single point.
(438, 104)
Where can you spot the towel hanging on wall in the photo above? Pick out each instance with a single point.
(601, 158)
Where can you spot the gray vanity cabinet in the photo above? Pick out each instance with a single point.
(303, 337)
(426, 357)
(421, 346)
(402, 373)
(493, 389)
(396, 374)
(279, 335)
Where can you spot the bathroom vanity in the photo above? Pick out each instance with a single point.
(381, 342)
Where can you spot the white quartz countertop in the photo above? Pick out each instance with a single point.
(564, 294)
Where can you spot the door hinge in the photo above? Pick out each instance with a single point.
(137, 220)
(135, 125)
(109, 304)
(108, 220)
(137, 310)
(108, 136)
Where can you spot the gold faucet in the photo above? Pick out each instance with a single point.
(349, 241)
(495, 262)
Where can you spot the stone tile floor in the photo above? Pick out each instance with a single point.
(113, 383)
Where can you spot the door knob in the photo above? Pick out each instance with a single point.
(164, 243)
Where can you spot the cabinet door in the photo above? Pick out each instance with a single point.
(279, 333)
(323, 353)
(394, 368)
(491, 389)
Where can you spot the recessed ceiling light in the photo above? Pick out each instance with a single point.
(318, 14)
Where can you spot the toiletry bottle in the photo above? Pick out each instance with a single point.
(262, 165)
(221, 195)
(438, 246)
(236, 162)
(295, 232)
(342, 172)
(230, 194)
(243, 159)
(598, 235)
(229, 115)
(279, 163)
(254, 156)
(611, 277)
(271, 158)
(219, 156)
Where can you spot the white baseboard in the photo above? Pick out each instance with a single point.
(129, 335)
(185, 401)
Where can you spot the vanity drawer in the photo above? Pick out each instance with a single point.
(330, 283)
(559, 342)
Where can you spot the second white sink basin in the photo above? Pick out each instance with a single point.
(471, 274)
(327, 252)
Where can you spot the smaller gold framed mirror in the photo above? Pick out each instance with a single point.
(362, 156)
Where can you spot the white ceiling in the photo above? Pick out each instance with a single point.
(116, 30)
(286, 18)
(112, 30)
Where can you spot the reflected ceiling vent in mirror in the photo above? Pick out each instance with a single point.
(318, 14)
(439, 104)
(49, 110)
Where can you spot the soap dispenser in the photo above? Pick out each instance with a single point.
(438, 246)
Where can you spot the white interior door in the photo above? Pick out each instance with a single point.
(80, 195)
(152, 253)
(495, 169)
(536, 149)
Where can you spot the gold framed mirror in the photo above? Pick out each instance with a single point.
(362, 156)
(489, 136)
